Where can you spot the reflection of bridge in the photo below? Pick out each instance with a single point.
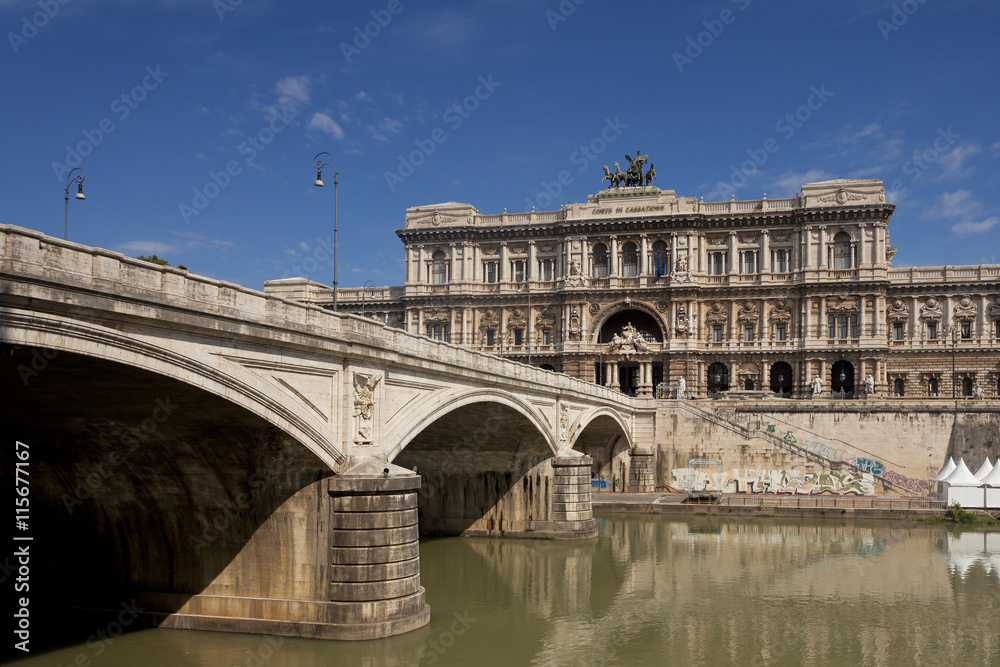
(240, 462)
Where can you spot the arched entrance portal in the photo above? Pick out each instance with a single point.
(842, 379)
(645, 324)
(781, 379)
(718, 378)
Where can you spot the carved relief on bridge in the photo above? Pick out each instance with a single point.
(364, 408)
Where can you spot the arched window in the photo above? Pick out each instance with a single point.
(718, 378)
(842, 251)
(661, 260)
(439, 268)
(781, 379)
(630, 260)
(600, 261)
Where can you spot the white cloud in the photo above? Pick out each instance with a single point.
(362, 96)
(957, 204)
(995, 148)
(322, 122)
(391, 125)
(293, 91)
(953, 163)
(969, 228)
(195, 241)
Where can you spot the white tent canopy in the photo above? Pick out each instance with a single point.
(948, 468)
(993, 478)
(961, 476)
(984, 469)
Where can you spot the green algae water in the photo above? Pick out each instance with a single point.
(655, 590)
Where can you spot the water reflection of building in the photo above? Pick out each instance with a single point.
(636, 286)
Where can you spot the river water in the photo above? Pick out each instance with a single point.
(655, 590)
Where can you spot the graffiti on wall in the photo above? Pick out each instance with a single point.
(762, 480)
(866, 465)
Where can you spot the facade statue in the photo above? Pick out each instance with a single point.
(816, 385)
(869, 385)
(629, 342)
(682, 386)
(977, 393)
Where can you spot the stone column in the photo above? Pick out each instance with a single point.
(420, 265)
(643, 259)
(765, 254)
(504, 262)
(822, 325)
(613, 257)
(733, 255)
(821, 256)
(374, 575)
(529, 270)
(765, 330)
(642, 471)
(571, 507)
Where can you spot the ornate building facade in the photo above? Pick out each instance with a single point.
(640, 289)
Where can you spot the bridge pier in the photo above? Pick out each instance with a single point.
(338, 560)
(641, 471)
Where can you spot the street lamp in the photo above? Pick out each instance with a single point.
(320, 166)
(367, 283)
(79, 195)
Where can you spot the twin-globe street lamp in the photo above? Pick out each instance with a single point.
(79, 195)
(320, 166)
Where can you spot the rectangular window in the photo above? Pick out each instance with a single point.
(932, 387)
(546, 336)
(546, 269)
(491, 272)
(996, 328)
(966, 329)
(749, 263)
(717, 333)
(781, 332)
(438, 332)
(854, 326)
(831, 326)
(932, 331)
(517, 270)
(518, 337)
(491, 337)
(897, 331)
(781, 261)
(748, 333)
(717, 264)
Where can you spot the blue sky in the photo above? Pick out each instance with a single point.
(197, 120)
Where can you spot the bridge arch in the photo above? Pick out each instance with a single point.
(604, 435)
(415, 424)
(227, 379)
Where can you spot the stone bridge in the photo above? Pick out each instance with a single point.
(236, 461)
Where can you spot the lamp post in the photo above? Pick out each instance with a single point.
(320, 166)
(79, 195)
(367, 282)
